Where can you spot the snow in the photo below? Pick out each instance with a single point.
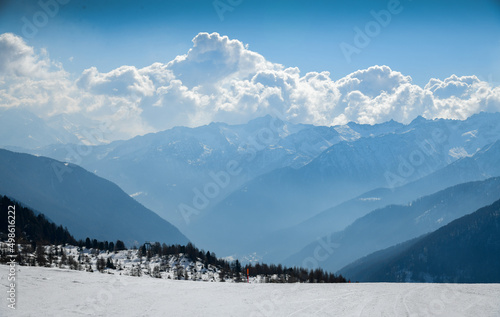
(458, 152)
(59, 292)
(370, 199)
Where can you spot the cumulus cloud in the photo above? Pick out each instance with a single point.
(453, 86)
(31, 80)
(19, 60)
(220, 79)
(126, 80)
(216, 58)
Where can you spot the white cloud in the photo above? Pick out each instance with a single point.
(123, 81)
(453, 86)
(220, 79)
(373, 81)
(214, 59)
(31, 80)
(19, 60)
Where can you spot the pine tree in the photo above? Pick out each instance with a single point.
(101, 264)
(40, 255)
(180, 271)
(64, 259)
(109, 264)
(51, 254)
(119, 246)
(88, 244)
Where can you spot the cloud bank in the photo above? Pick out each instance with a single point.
(220, 79)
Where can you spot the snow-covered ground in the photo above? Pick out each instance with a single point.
(60, 292)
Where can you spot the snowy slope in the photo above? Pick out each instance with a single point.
(55, 292)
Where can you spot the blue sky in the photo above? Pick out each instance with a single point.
(147, 66)
(426, 39)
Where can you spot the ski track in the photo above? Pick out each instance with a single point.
(56, 292)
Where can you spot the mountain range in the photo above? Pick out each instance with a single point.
(162, 170)
(467, 250)
(394, 224)
(484, 164)
(287, 197)
(268, 189)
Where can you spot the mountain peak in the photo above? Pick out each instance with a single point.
(418, 120)
(265, 120)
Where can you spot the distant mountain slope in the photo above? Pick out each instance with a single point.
(287, 173)
(20, 127)
(484, 164)
(466, 250)
(362, 269)
(394, 224)
(287, 196)
(163, 169)
(87, 204)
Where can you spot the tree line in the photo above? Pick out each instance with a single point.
(36, 229)
(32, 227)
(34, 232)
(270, 272)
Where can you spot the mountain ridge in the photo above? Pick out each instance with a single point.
(87, 204)
(394, 224)
(464, 251)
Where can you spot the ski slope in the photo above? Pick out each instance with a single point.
(59, 292)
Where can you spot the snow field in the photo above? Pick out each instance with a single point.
(60, 292)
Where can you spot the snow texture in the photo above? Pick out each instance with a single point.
(58, 292)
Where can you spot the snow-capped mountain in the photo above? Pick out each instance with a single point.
(285, 197)
(165, 169)
(258, 178)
